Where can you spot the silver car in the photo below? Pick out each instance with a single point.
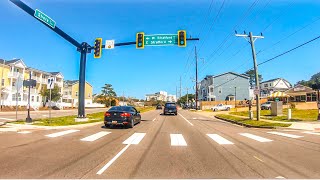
(266, 105)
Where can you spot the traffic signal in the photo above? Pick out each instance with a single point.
(140, 40)
(97, 48)
(182, 38)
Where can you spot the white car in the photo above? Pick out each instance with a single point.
(221, 107)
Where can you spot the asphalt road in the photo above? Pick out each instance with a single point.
(11, 116)
(183, 146)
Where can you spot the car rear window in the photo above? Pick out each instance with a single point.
(170, 104)
(120, 108)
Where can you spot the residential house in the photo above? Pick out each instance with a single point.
(12, 73)
(224, 87)
(274, 85)
(71, 95)
(300, 93)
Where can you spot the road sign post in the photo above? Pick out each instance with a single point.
(50, 85)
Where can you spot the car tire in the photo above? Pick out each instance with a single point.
(214, 109)
(228, 109)
(132, 123)
(106, 125)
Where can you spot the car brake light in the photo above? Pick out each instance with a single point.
(107, 114)
(125, 115)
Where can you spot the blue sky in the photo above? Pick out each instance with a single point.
(138, 72)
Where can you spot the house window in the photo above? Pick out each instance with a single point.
(13, 83)
(89, 95)
(270, 84)
(65, 93)
(266, 85)
(17, 70)
(32, 98)
(211, 89)
(37, 98)
(14, 97)
(2, 82)
(76, 93)
(311, 97)
(220, 90)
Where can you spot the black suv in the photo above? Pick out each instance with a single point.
(170, 108)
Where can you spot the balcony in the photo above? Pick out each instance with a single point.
(15, 75)
(60, 84)
(38, 79)
(32, 91)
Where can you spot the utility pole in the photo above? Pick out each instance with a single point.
(196, 56)
(180, 88)
(187, 98)
(251, 41)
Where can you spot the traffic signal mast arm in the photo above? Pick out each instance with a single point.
(133, 42)
(31, 12)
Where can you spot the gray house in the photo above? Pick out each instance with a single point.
(224, 87)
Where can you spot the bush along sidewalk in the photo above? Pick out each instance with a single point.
(249, 123)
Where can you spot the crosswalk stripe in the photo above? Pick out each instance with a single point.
(314, 133)
(96, 136)
(62, 133)
(177, 140)
(134, 138)
(24, 132)
(218, 139)
(255, 137)
(285, 134)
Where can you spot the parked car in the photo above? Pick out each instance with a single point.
(221, 107)
(159, 106)
(170, 108)
(266, 105)
(122, 115)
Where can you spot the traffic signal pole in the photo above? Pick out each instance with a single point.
(83, 48)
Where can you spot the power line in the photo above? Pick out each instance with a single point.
(214, 21)
(295, 32)
(244, 15)
(289, 51)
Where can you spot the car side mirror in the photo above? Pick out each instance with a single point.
(138, 111)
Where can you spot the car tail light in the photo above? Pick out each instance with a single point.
(107, 114)
(125, 115)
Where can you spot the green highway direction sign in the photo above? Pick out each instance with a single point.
(44, 18)
(161, 40)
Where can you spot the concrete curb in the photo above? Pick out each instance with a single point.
(245, 125)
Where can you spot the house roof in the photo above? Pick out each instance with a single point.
(37, 70)
(72, 82)
(271, 80)
(299, 89)
(241, 75)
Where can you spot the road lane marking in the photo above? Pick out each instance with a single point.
(105, 167)
(7, 119)
(24, 132)
(62, 133)
(186, 119)
(280, 177)
(258, 158)
(314, 133)
(254, 137)
(285, 134)
(177, 140)
(96, 136)
(154, 119)
(134, 138)
(218, 139)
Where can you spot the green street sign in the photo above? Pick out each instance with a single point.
(44, 18)
(161, 40)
